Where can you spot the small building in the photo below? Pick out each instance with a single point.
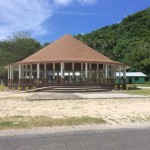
(132, 77)
(66, 61)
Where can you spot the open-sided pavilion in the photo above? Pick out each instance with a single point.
(66, 61)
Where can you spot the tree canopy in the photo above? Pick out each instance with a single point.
(17, 47)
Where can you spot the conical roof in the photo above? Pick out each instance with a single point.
(67, 49)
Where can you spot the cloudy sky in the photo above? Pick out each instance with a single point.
(47, 20)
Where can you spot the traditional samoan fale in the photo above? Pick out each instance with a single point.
(66, 61)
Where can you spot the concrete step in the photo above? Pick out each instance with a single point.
(74, 89)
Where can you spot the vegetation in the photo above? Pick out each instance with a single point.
(15, 48)
(30, 122)
(138, 91)
(2, 87)
(147, 84)
(135, 119)
(127, 42)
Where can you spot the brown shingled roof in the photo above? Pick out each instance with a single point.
(67, 49)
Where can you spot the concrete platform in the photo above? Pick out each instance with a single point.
(73, 89)
(71, 96)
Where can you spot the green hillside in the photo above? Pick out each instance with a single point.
(127, 42)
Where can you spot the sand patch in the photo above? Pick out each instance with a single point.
(115, 111)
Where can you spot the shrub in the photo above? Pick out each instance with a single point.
(34, 88)
(2, 87)
(115, 87)
(132, 87)
(121, 86)
(19, 88)
(26, 89)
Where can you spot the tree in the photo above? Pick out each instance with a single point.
(45, 44)
(17, 47)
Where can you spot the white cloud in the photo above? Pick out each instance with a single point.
(23, 15)
(68, 2)
(30, 15)
(87, 1)
(74, 13)
(63, 2)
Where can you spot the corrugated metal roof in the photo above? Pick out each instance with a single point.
(132, 74)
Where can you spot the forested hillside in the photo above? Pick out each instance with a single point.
(127, 42)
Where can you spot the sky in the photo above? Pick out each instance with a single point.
(48, 20)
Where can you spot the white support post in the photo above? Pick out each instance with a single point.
(11, 75)
(8, 74)
(38, 71)
(62, 70)
(86, 70)
(45, 71)
(19, 71)
(106, 71)
(53, 70)
(97, 69)
(119, 74)
(20, 74)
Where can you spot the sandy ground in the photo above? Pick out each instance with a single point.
(114, 111)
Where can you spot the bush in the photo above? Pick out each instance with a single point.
(19, 88)
(147, 82)
(132, 87)
(2, 87)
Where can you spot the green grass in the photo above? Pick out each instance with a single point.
(2, 87)
(43, 121)
(6, 123)
(135, 119)
(143, 85)
(140, 85)
(145, 92)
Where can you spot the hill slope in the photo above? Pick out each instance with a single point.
(127, 42)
